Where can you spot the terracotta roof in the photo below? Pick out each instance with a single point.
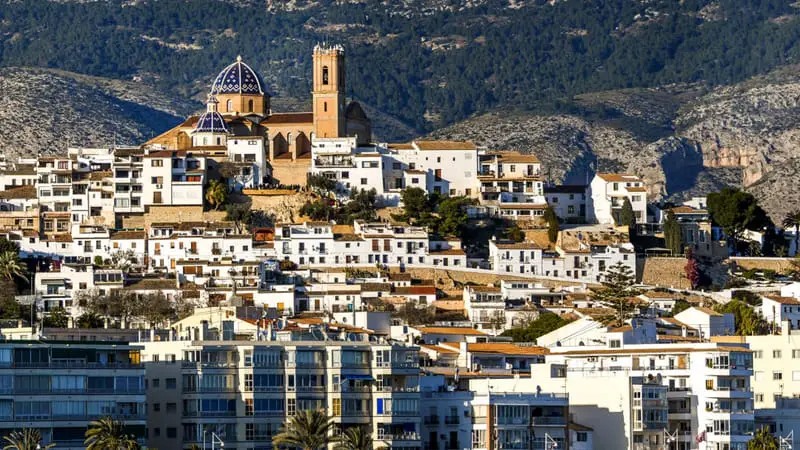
(485, 289)
(368, 155)
(618, 177)
(677, 338)
(125, 234)
(290, 117)
(449, 251)
(415, 172)
(517, 245)
(347, 237)
(22, 169)
(621, 329)
(401, 146)
(708, 311)
(439, 349)
(452, 331)
(21, 192)
(449, 305)
(400, 276)
(783, 300)
(58, 238)
(516, 157)
(371, 287)
(414, 290)
(636, 189)
(165, 154)
(506, 348)
(445, 145)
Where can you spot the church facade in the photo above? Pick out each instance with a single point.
(239, 114)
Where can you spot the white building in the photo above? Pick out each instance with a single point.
(707, 321)
(633, 397)
(568, 202)
(607, 193)
(173, 177)
(779, 310)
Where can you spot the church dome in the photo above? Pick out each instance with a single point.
(238, 78)
(211, 122)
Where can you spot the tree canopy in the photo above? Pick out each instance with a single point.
(546, 323)
(736, 211)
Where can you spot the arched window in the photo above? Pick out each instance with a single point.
(324, 74)
(250, 106)
(325, 106)
(230, 105)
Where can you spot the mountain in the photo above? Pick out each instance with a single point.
(684, 140)
(428, 63)
(44, 111)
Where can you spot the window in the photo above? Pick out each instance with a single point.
(325, 75)
(156, 407)
(776, 354)
(777, 375)
(249, 106)
(581, 436)
(156, 382)
(337, 407)
(172, 407)
(172, 432)
(795, 354)
(325, 106)
(229, 105)
(171, 383)
(363, 181)
(156, 163)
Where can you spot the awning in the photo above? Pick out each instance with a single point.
(358, 377)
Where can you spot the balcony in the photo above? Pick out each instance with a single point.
(431, 420)
(407, 436)
(452, 420)
(336, 162)
(549, 421)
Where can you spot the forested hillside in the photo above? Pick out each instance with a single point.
(428, 63)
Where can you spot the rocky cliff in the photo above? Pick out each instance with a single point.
(685, 140)
(44, 111)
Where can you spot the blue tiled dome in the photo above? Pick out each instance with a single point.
(211, 122)
(238, 78)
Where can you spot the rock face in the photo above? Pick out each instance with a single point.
(45, 111)
(683, 140)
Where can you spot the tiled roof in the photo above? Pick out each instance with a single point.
(452, 331)
(506, 348)
(708, 311)
(485, 289)
(290, 117)
(783, 300)
(656, 350)
(449, 251)
(128, 235)
(21, 192)
(150, 284)
(618, 177)
(414, 290)
(439, 349)
(448, 305)
(445, 145)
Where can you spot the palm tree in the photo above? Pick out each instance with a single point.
(308, 430)
(763, 440)
(26, 439)
(355, 438)
(107, 433)
(790, 220)
(10, 266)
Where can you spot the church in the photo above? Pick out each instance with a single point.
(239, 115)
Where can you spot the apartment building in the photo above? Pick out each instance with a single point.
(128, 172)
(780, 311)
(491, 414)
(607, 193)
(60, 387)
(173, 177)
(568, 201)
(323, 243)
(510, 178)
(169, 243)
(657, 396)
(581, 253)
(62, 285)
(243, 391)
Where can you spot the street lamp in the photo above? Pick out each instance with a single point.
(549, 443)
(669, 438)
(215, 438)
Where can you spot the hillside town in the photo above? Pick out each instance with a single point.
(250, 269)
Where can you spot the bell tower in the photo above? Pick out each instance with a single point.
(328, 92)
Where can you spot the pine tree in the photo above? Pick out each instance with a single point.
(552, 224)
(626, 216)
(672, 234)
(618, 288)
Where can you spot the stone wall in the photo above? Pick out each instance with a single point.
(780, 265)
(285, 208)
(447, 278)
(665, 272)
(289, 172)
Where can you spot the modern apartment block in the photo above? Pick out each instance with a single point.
(60, 387)
(657, 396)
(607, 193)
(243, 391)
